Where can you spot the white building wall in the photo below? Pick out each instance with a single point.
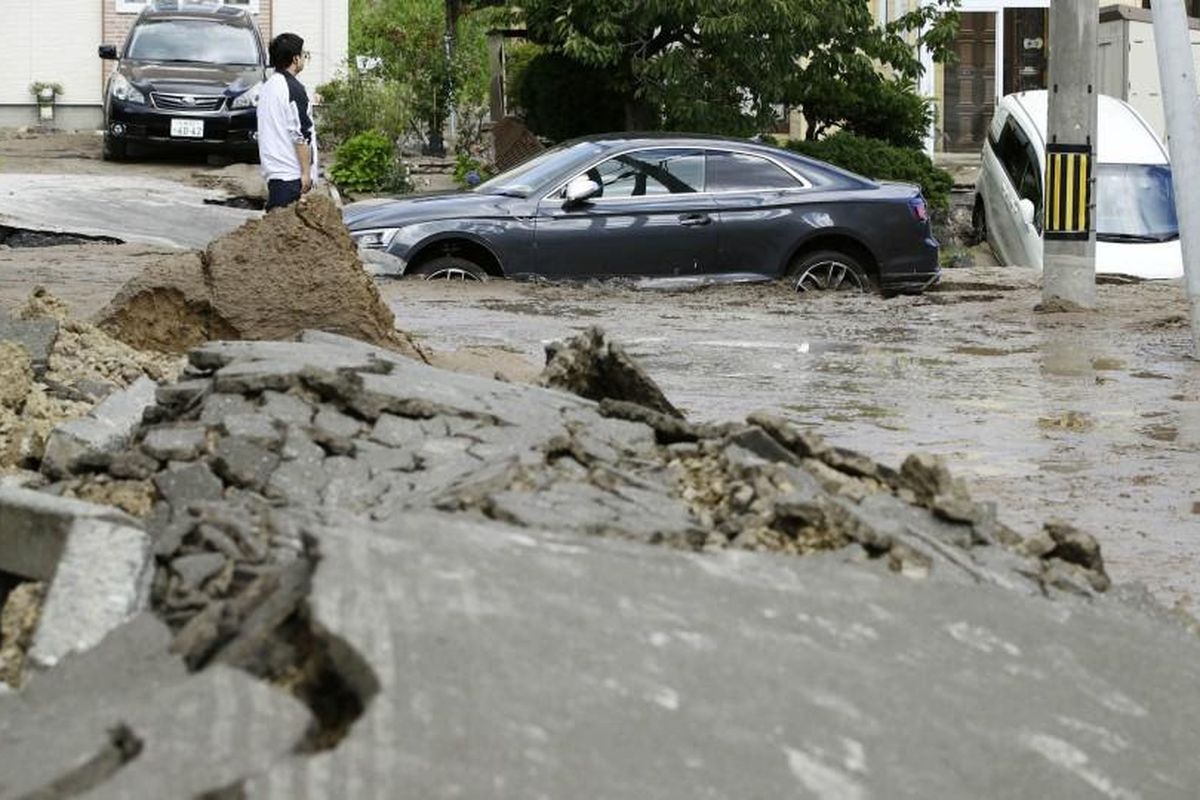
(53, 42)
(1141, 86)
(325, 27)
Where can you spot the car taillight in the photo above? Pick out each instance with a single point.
(917, 204)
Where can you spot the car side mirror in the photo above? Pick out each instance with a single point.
(108, 52)
(1028, 211)
(581, 189)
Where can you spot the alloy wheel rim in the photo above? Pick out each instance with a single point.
(451, 274)
(829, 276)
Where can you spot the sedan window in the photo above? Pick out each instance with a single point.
(739, 172)
(540, 170)
(650, 172)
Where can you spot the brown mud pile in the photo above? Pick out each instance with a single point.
(84, 366)
(295, 269)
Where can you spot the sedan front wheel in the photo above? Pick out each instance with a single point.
(450, 268)
(828, 271)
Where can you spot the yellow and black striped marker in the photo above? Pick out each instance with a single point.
(1068, 191)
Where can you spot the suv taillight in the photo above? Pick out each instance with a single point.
(920, 213)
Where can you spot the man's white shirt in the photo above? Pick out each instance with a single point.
(284, 121)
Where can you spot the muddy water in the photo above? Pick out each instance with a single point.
(1089, 417)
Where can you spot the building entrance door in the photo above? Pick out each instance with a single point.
(971, 82)
(1025, 32)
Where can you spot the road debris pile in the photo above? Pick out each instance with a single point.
(294, 269)
(591, 367)
(387, 552)
(260, 439)
(55, 368)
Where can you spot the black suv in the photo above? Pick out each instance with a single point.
(188, 75)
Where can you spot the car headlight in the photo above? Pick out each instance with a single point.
(122, 89)
(375, 238)
(248, 98)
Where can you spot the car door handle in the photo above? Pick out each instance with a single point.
(694, 220)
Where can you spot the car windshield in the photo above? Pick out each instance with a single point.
(1135, 202)
(193, 41)
(543, 169)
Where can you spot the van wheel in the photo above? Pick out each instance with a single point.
(828, 271)
(450, 268)
(978, 223)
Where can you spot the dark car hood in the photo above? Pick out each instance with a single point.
(396, 213)
(192, 78)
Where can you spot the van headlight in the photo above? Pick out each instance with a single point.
(248, 98)
(122, 89)
(374, 238)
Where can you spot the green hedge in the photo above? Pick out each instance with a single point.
(369, 162)
(877, 159)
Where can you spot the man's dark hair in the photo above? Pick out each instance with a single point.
(284, 49)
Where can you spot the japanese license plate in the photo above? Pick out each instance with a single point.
(188, 128)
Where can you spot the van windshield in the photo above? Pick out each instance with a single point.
(194, 42)
(1135, 203)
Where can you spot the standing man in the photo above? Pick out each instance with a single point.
(287, 146)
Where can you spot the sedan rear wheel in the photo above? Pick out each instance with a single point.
(450, 268)
(828, 271)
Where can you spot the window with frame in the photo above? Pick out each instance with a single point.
(742, 172)
(648, 173)
(1020, 161)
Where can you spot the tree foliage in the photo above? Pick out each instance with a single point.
(880, 160)
(409, 39)
(728, 66)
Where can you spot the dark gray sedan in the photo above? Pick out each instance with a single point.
(664, 207)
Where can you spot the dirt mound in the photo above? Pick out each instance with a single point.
(84, 366)
(295, 269)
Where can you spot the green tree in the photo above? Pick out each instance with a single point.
(727, 66)
(409, 37)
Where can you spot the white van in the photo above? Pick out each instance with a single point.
(1137, 233)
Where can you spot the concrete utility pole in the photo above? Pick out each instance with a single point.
(1178, 74)
(1069, 234)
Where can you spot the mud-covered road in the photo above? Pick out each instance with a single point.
(1089, 417)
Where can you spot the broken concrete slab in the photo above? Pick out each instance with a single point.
(102, 580)
(592, 367)
(808, 676)
(34, 527)
(661, 643)
(106, 429)
(176, 443)
(97, 563)
(58, 730)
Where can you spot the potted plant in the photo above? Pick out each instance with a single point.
(46, 93)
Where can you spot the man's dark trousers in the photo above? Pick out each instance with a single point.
(282, 193)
